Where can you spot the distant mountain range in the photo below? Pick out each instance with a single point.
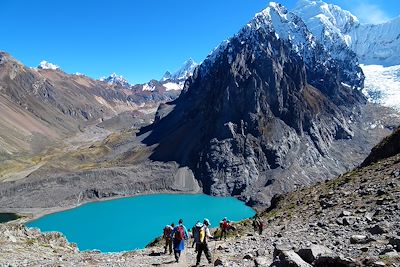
(44, 104)
(169, 81)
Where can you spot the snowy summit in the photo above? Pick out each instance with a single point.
(334, 27)
(44, 65)
(183, 73)
(115, 79)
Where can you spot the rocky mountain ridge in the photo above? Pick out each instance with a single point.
(263, 99)
(47, 103)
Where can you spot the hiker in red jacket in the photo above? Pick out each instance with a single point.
(224, 227)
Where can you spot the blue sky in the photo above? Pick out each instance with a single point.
(137, 39)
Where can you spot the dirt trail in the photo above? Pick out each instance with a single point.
(188, 256)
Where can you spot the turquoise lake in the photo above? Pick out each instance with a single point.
(131, 223)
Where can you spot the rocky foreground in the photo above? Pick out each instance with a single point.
(353, 220)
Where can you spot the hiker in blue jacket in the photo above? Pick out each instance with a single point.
(179, 235)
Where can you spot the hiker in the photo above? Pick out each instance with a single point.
(255, 224)
(202, 244)
(179, 234)
(196, 234)
(168, 239)
(224, 227)
(260, 226)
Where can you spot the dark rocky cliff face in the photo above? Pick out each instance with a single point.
(257, 118)
(388, 147)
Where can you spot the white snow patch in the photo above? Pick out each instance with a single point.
(147, 87)
(173, 86)
(382, 85)
(47, 65)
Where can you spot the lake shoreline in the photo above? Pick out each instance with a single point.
(109, 226)
(30, 214)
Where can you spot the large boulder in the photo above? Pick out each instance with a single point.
(359, 239)
(378, 229)
(285, 257)
(314, 252)
(395, 242)
(335, 261)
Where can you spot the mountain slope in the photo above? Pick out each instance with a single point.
(45, 105)
(388, 147)
(265, 111)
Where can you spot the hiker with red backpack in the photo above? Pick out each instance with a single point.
(224, 227)
(179, 235)
(168, 239)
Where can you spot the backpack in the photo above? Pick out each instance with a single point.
(225, 225)
(167, 231)
(196, 233)
(202, 235)
(179, 233)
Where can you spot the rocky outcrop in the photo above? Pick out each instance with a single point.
(69, 189)
(389, 147)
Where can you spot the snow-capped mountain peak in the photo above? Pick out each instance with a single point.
(274, 19)
(115, 79)
(276, 22)
(286, 25)
(334, 27)
(47, 65)
(327, 21)
(376, 46)
(183, 73)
